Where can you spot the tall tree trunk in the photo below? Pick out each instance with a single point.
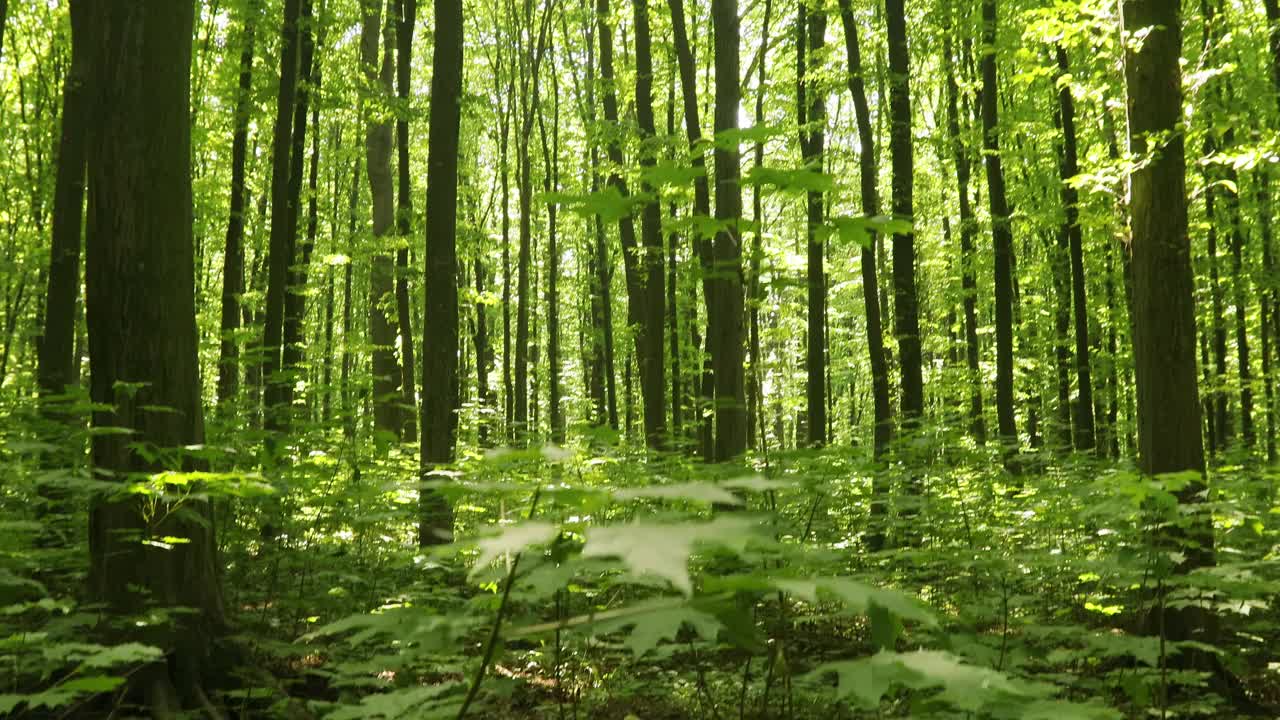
(484, 352)
(440, 333)
(386, 371)
(139, 279)
(702, 245)
(1240, 288)
(279, 252)
(1270, 310)
(233, 254)
(1001, 233)
(1164, 322)
(1084, 422)
(755, 386)
(650, 340)
(811, 27)
(294, 301)
(348, 277)
(508, 391)
(968, 231)
(56, 352)
(725, 319)
(550, 184)
(406, 13)
(1059, 253)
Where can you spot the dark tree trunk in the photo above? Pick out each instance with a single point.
(1220, 425)
(279, 253)
(1002, 236)
(701, 206)
(869, 174)
(508, 391)
(550, 184)
(1084, 434)
(233, 254)
(1164, 323)
(650, 340)
(905, 303)
(1060, 262)
(1240, 294)
(56, 360)
(1270, 310)
(386, 371)
(968, 231)
(811, 27)
(440, 332)
(139, 279)
(725, 319)
(348, 392)
(406, 13)
(755, 385)
(484, 352)
(293, 301)
(602, 295)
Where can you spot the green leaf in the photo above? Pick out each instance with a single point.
(796, 180)
(514, 539)
(93, 684)
(963, 687)
(126, 654)
(662, 622)
(663, 549)
(671, 174)
(700, 492)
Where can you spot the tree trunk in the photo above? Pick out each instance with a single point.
(279, 252)
(440, 332)
(1269, 310)
(811, 27)
(139, 279)
(233, 254)
(348, 394)
(755, 386)
(56, 361)
(1002, 236)
(650, 341)
(551, 183)
(968, 231)
(386, 371)
(724, 321)
(1164, 323)
(406, 13)
(1084, 434)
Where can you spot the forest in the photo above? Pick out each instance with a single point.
(639, 359)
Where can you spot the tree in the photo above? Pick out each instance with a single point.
(144, 368)
(1164, 325)
(440, 326)
(233, 251)
(377, 141)
(1001, 233)
(1068, 169)
(811, 27)
(725, 320)
(279, 252)
(406, 12)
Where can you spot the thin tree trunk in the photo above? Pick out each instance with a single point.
(56, 351)
(406, 13)
(1269, 310)
(725, 319)
(968, 231)
(1085, 432)
(386, 371)
(233, 254)
(279, 252)
(348, 393)
(811, 27)
(754, 384)
(550, 184)
(440, 333)
(650, 338)
(1001, 233)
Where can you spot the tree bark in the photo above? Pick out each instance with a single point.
(56, 361)
(406, 13)
(869, 174)
(1001, 234)
(1269, 310)
(968, 232)
(279, 251)
(755, 385)
(650, 341)
(811, 27)
(440, 332)
(139, 279)
(1084, 421)
(233, 254)
(1164, 326)
(386, 371)
(551, 183)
